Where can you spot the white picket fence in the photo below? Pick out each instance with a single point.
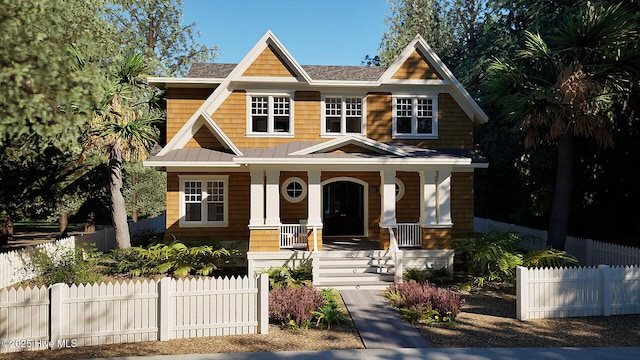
(573, 292)
(69, 316)
(13, 264)
(587, 251)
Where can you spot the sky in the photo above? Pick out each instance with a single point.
(315, 32)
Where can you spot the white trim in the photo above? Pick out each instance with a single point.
(353, 139)
(220, 135)
(285, 194)
(182, 81)
(401, 189)
(343, 115)
(271, 133)
(365, 199)
(414, 118)
(182, 205)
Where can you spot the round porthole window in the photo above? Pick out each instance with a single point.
(294, 189)
(399, 189)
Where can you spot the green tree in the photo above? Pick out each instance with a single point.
(155, 29)
(144, 190)
(123, 129)
(566, 86)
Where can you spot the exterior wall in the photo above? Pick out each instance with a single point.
(268, 64)
(436, 239)
(408, 208)
(181, 104)
(379, 114)
(204, 139)
(264, 240)
(462, 203)
(239, 196)
(373, 179)
(416, 68)
(292, 213)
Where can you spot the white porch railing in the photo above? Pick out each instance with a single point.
(293, 236)
(409, 235)
(396, 254)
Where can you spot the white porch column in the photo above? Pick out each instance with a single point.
(273, 198)
(444, 197)
(388, 197)
(257, 198)
(428, 198)
(314, 199)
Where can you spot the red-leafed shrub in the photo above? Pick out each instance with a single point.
(417, 302)
(293, 306)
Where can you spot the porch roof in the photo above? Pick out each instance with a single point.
(284, 154)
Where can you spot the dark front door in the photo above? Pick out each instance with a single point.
(343, 209)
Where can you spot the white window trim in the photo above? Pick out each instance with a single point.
(270, 116)
(414, 119)
(401, 189)
(286, 195)
(182, 179)
(343, 116)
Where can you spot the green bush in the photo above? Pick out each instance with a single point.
(175, 259)
(284, 276)
(148, 237)
(434, 276)
(64, 265)
(330, 312)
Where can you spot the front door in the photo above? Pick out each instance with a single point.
(343, 209)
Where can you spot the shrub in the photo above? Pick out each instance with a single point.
(329, 313)
(283, 276)
(434, 276)
(424, 302)
(549, 258)
(144, 238)
(65, 265)
(293, 306)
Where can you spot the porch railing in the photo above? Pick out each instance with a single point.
(293, 236)
(409, 235)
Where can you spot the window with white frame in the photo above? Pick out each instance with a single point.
(415, 117)
(343, 115)
(269, 114)
(203, 200)
(294, 189)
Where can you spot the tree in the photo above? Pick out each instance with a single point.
(144, 190)
(155, 28)
(566, 86)
(123, 130)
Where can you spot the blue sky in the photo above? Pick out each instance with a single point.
(316, 32)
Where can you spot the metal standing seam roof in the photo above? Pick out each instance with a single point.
(283, 152)
(316, 72)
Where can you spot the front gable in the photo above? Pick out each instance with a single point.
(416, 67)
(269, 64)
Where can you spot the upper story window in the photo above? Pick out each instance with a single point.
(269, 115)
(203, 200)
(415, 117)
(343, 115)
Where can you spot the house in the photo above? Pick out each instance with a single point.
(317, 163)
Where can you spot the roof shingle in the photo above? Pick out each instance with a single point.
(316, 72)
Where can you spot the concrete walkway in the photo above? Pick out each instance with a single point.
(380, 327)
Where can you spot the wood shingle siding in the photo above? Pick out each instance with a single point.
(292, 213)
(408, 208)
(379, 115)
(205, 139)
(181, 104)
(416, 67)
(462, 203)
(239, 202)
(268, 64)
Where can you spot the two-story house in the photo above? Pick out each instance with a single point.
(311, 163)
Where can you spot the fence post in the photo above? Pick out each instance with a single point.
(164, 295)
(605, 289)
(588, 252)
(263, 304)
(522, 293)
(56, 317)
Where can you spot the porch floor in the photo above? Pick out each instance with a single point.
(349, 243)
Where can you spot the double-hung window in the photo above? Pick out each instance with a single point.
(269, 115)
(415, 117)
(343, 115)
(204, 200)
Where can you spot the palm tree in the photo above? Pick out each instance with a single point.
(564, 87)
(123, 130)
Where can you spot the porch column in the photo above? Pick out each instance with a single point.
(314, 199)
(388, 198)
(257, 198)
(273, 197)
(444, 197)
(428, 197)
